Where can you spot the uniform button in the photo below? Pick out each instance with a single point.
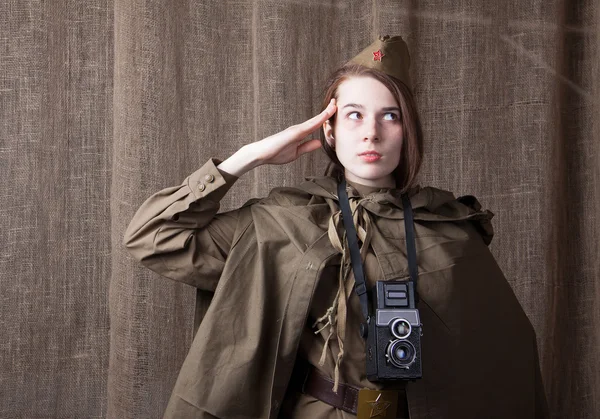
(209, 178)
(201, 187)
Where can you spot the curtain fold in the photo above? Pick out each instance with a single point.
(55, 165)
(104, 103)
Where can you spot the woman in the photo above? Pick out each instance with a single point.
(282, 334)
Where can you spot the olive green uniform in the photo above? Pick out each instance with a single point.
(269, 264)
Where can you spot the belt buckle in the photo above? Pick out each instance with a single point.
(377, 404)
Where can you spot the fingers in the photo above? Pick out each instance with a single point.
(308, 146)
(327, 112)
(315, 122)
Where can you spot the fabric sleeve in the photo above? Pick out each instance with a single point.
(177, 232)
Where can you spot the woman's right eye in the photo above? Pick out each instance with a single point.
(354, 115)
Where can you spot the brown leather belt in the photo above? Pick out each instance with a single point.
(309, 381)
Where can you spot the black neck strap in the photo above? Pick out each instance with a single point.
(351, 236)
(357, 267)
(411, 247)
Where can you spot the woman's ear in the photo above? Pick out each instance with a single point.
(328, 131)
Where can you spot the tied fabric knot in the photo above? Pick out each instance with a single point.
(336, 315)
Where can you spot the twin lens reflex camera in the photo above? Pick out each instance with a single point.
(393, 342)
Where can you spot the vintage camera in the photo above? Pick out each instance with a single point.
(393, 342)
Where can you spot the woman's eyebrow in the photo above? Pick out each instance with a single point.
(352, 105)
(386, 109)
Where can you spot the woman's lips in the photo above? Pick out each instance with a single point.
(370, 156)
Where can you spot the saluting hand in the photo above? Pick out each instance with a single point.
(286, 146)
(283, 147)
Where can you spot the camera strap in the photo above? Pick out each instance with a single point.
(411, 247)
(352, 237)
(357, 267)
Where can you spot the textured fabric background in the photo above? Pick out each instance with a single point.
(102, 103)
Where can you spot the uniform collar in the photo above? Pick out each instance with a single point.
(379, 202)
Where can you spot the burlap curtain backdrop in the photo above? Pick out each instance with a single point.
(103, 103)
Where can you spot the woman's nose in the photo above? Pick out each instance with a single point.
(371, 131)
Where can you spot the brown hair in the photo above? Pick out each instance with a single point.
(412, 147)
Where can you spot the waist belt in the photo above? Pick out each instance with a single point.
(308, 380)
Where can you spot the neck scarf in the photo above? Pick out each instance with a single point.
(336, 315)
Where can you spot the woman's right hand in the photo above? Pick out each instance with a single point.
(286, 146)
(281, 148)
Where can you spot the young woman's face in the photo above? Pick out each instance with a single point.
(367, 133)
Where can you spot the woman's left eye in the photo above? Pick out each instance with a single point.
(390, 116)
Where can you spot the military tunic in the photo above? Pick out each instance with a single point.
(352, 369)
(265, 263)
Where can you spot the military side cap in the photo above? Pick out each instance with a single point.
(388, 54)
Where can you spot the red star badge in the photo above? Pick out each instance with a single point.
(377, 55)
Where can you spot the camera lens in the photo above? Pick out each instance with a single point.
(400, 328)
(400, 353)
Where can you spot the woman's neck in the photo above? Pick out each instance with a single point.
(364, 190)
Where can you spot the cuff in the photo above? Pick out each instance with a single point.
(210, 182)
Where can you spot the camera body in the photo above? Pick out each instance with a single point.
(393, 344)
